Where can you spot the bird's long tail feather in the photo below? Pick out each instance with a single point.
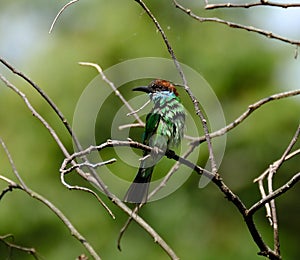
(138, 190)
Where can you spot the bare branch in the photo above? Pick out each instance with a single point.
(265, 250)
(267, 205)
(270, 207)
(12, 164)
(157, 238)
(267, 34)
(248, 112)
(138, 110)
(76, 187)
(249, 5)
(274, 194)
(11, 185)
(169, 154)
(27, 250)
(36, 114)
(49, 204)
(126, 225)
(45, 97)
(65, 220)
(165, 39)
(91, 165)
(121, 127)
(112, 85)
(51, 131)
(278, 163)
(60, 12)
(273, 170)
(288, 157)
(94, 177)
(114, 143)
(283, 158)
(273, 215)
(261, 187)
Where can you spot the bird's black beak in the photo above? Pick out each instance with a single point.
(143, 89)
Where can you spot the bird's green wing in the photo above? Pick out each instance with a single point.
(152, 121)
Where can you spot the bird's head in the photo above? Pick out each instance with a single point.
(158, 85)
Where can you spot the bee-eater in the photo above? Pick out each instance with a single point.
(164, 129)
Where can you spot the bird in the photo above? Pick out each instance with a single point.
(164, 129)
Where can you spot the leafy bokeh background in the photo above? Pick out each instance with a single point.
(241, 67)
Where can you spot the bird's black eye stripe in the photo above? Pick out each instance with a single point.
(158, 87)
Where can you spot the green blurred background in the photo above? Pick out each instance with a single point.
(241, 67)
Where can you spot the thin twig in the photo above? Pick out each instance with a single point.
(126, 225)
(270, 205)
(273, 214)
(247, 113)
(249, 5)
(235, 25)
(278, 163)
(68, 223)
(112, 85)
(272, 170)
(267, 205)
(286, 156)
(12, 164)
(27, 250)
(76, 187)
(36, 114)
(165, 39)
(121, 127)
(60, 12)
(261, 186)
(138, 110)
(9, 188)
(284, 188)
(91, 165)
(44, 96)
